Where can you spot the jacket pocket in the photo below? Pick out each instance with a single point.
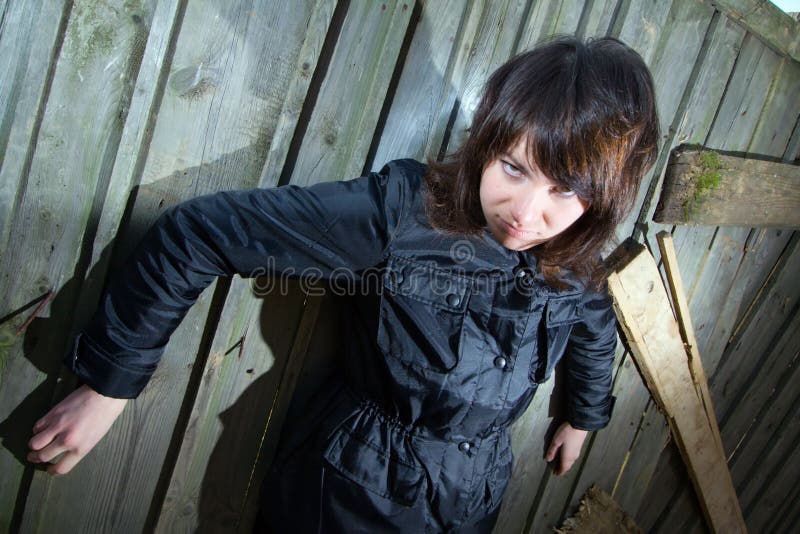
(422, 314)
(375, 467)
(560, 314)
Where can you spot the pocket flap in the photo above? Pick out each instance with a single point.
(418, 281)
(374, 469)
(563, 310)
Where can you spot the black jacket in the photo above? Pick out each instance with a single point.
(447, 341)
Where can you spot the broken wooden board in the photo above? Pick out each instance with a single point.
(599, 514)
(681, 304)
(653, 336)
(704, 187)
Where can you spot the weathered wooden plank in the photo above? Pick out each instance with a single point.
(646, 317)
(74, 147)
(553, 501)
(769, 399)
(741, 359)
(417, 120)
(746, 93)
(340, 131)
(703, 187)
(29, 36)
(684, 28)
(227, 60)
(773, 26)
(777, 471)
(687, 23)
(551, 18)
(693, 123)
(188, 504)
(530, 472)
(681, 308)
(597, 18)
(788, 516)
(490, 38)
(231, 413)
(733, 128)
(640, 24)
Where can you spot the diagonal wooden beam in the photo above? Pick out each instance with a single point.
(654, 338)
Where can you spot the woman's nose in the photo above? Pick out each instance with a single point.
(527, 207)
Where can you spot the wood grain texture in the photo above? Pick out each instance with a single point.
(490, 38)
(731, 262)
(708, 248)
(426, 92)
(748, 192)
(29, 37)
(56, 199)
(232, 413)
(776, 28)
(646, 318)
(340, 130)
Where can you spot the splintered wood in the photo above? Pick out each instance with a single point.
(599, 514)
(654, 338)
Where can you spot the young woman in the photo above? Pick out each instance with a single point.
(473, 278)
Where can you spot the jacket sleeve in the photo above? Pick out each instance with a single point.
(330, 228)
(589, 363)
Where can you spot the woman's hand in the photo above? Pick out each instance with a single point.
(73, 427)
(568, 441)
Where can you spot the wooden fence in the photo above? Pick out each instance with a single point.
(112, 111)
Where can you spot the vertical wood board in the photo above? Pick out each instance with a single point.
(55, 201)
(340, 130)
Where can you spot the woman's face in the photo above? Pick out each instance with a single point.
(522, 206)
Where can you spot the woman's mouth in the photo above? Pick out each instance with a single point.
(513, 232)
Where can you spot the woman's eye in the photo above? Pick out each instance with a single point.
(511, 170)
(564, 191)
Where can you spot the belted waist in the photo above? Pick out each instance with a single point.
(416, 431)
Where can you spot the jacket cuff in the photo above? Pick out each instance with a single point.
(591, 417)
(100, 372)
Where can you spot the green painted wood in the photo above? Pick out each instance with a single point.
(426, 91)
(773, 26)
(74, 147)
(29, 35)
(340, 130)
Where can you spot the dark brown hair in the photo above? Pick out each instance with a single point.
(587, 113)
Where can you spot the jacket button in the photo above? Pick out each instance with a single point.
(464, 446)
(500, 362)
(453, 299)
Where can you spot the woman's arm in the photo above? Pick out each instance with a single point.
(589, 365)
(325, 227)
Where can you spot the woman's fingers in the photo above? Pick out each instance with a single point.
(43, 437)
(65, 464)
(48, 452)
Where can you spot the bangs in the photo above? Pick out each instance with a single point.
(568, 114)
